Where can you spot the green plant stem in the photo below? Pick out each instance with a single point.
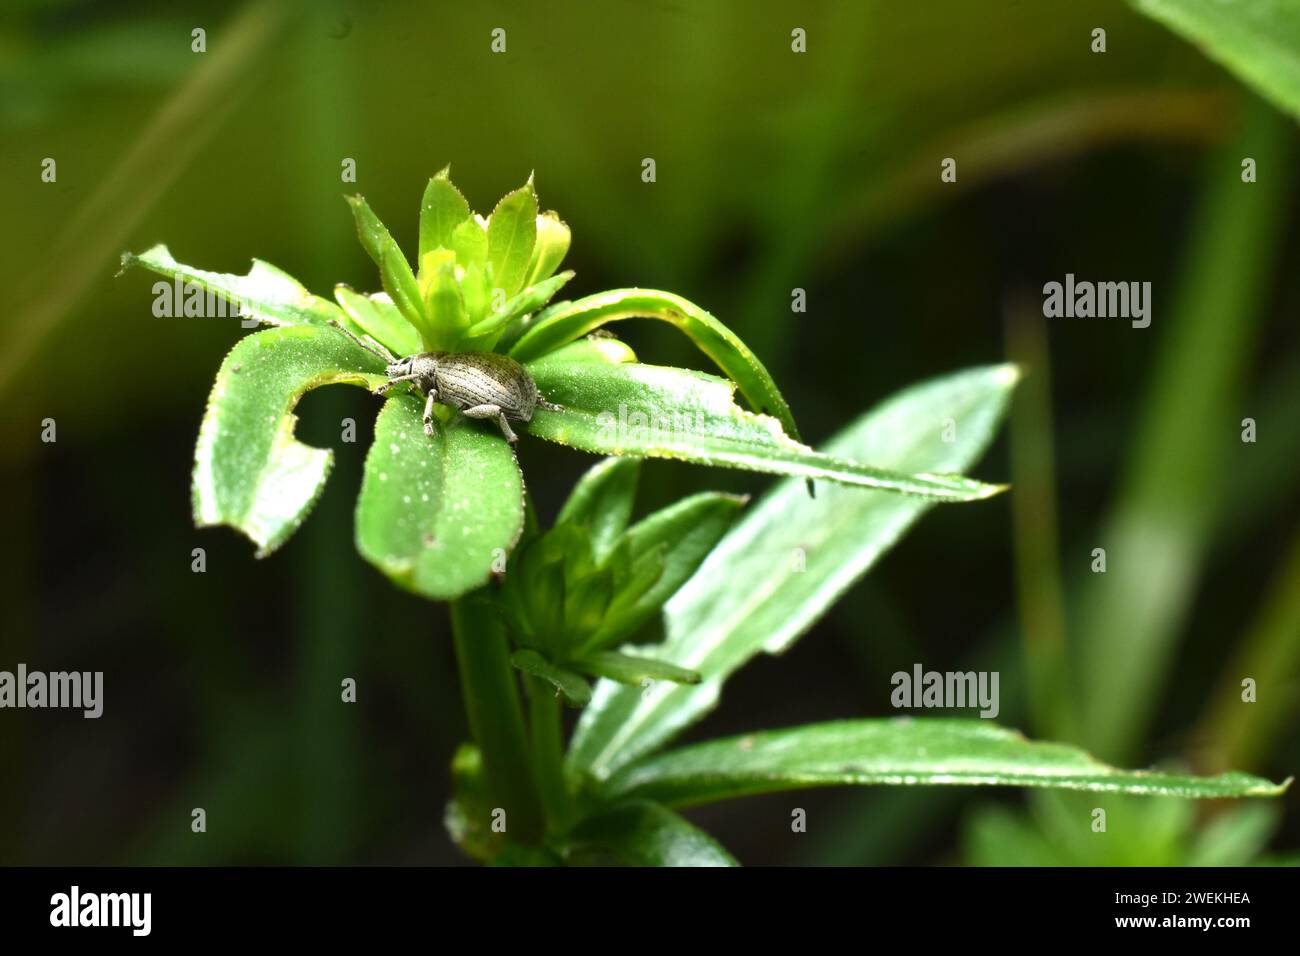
(495, 715)
(548, 750)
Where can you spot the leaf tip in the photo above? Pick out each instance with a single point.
(1010, 374)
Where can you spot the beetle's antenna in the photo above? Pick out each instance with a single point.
(373, 347)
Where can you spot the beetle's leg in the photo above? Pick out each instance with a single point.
(428, 411)
(394, 381)
(493, 411)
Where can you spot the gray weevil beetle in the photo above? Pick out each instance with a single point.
(478, 384)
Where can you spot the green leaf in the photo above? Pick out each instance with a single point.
(435, 513)
(475, 292)
(793, 556)
(575, 691)
(442, 209)
(511, 234)
(550, 249)
(469, 242)
(616, 408)
(443, 304)
(898, 752)
(395, 272)
(381, 320)
(531, 299)
(641, 833)
(265, 293)
(249, 471)
(569, 321)
(1259, 41)
(681, 536)
(631, 669)
(602, 502)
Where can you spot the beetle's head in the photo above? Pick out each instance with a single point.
(400, 367)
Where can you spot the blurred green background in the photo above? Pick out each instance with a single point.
(775, 171)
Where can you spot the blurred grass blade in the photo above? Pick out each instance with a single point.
(617, 408)
(796, 556)
(123, 196)
(572, 320)
(249, 471)
(1258, 40)
(1039, 592)
(641, 833)
(1183, 449)
(436, 513)
(905, 752)
(265, 293)
(1236, 733)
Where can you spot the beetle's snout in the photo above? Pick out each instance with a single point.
(398, 369)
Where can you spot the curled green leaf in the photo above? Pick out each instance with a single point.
(250, 472)
(550, 249)
(266, 293)
(569, 321)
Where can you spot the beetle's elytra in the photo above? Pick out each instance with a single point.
(478, 384)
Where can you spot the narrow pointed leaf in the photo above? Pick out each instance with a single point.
(395, 272)
(796, 556)
(531, 299)
(641, 833)
(250, 472)
(631, 669)
(617, 408)
(512, 232)
(575, 691)
(682, 534)
(442, 209)
(602, 502)
(381, 320)
(899, 752)
(435, 513)
(1258, 41)
(265, 293)
(572, 320)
